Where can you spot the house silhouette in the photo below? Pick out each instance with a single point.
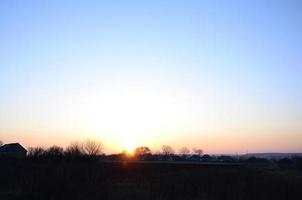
(13, 149)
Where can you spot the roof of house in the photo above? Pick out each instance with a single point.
(13, 147)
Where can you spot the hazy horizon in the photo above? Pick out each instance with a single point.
(223, 76)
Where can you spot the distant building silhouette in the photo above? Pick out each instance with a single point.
(13, 149)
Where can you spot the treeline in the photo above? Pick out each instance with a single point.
(93, 150)
(76, 150)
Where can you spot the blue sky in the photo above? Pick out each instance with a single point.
(232, 69)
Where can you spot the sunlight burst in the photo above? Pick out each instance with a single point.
(131, 117)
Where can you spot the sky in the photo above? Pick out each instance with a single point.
(224, 76)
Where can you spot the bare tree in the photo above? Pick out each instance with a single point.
(93, 148)
(55, 152)
(198, 151)
(167, 150)
(184, 151)
(36, 152)
(75, 149)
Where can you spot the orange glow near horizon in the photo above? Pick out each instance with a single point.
(128, 117)
(221, 141)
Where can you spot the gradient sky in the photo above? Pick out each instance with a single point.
(225, 76)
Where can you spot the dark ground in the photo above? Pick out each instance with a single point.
(79, 180)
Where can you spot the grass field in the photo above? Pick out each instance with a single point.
(26, 179)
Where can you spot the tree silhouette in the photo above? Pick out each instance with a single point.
(36, 152)
(92, 148)
(167, 150)
(198, 151)
(55, 152)
(142, 153)
(139, 151)
(75, 149)
(184, 151)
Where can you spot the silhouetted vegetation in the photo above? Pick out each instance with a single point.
(143, 153)
(198, 151)
(92, 148)
(81, 171)
(184, 152)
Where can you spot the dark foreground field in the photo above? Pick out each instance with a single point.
(25, 179)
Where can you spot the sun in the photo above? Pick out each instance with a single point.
(130, 149)
(131, 116)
